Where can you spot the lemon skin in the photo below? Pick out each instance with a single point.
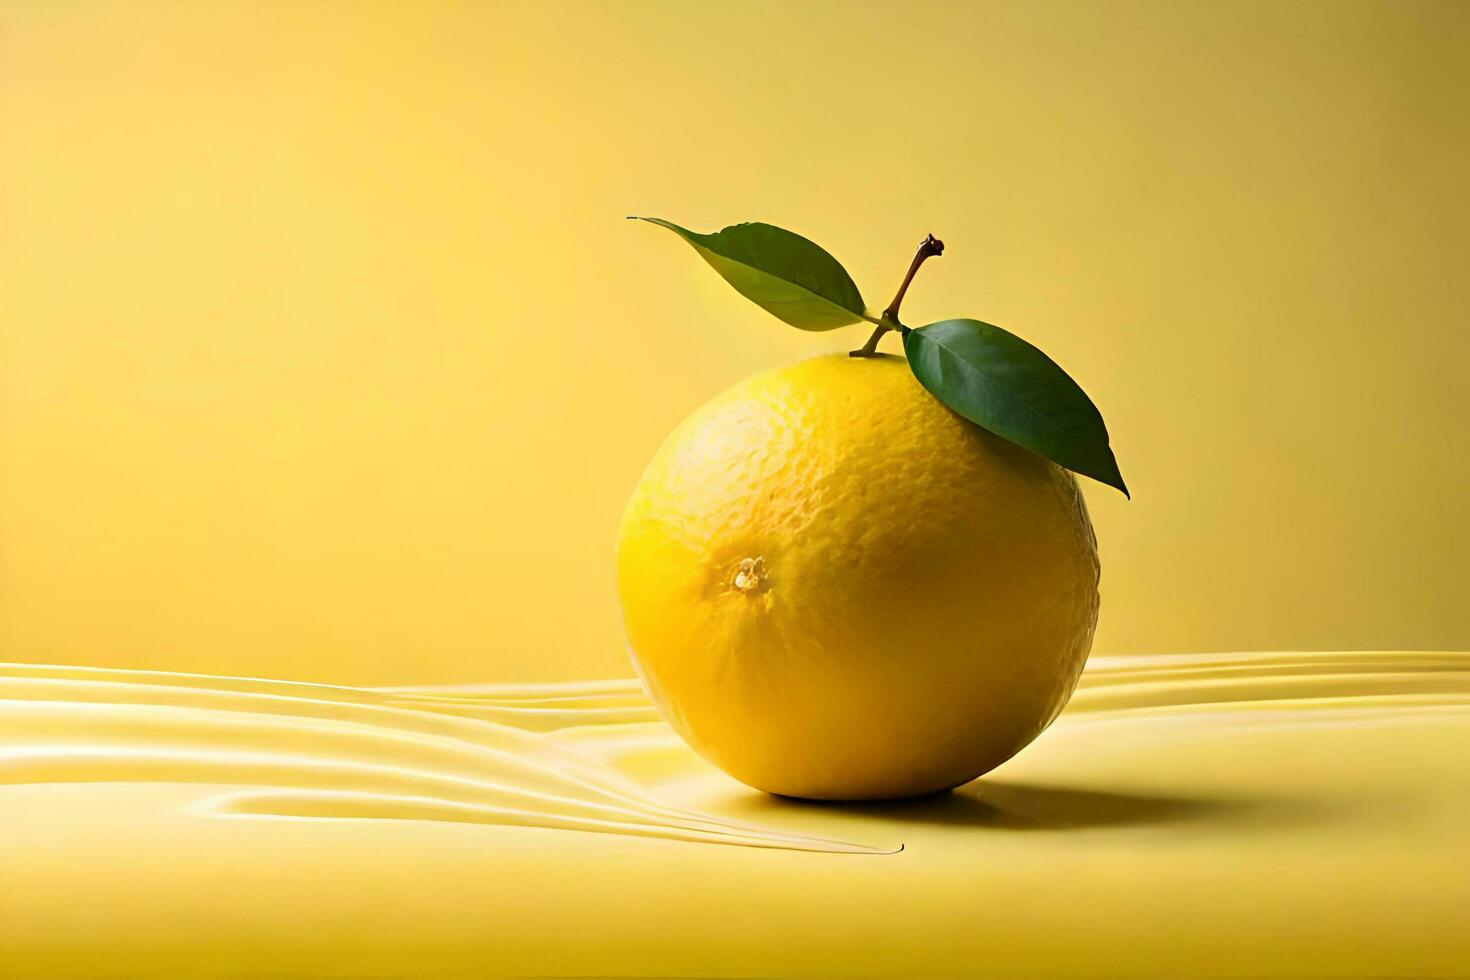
(836, 588)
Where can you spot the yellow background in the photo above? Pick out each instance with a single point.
(325, 351)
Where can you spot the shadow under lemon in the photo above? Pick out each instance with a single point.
(1016, 806)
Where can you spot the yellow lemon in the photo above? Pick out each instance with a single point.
(836, 588)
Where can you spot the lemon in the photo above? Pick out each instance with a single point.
(836, 588)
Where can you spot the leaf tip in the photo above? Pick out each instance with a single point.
(1111, 475)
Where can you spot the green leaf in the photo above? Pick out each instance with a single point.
(788, 276)
(1001, 383)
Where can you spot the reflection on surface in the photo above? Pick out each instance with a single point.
(1187, 815)
(570, 756)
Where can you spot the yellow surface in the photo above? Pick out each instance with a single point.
(836, 588)
(1288, 815)
(325, 351)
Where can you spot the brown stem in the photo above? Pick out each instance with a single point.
(929, 246)
(889, 321)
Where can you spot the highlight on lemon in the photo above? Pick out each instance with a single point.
(865, 576)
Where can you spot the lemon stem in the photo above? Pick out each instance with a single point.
(889, 320)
